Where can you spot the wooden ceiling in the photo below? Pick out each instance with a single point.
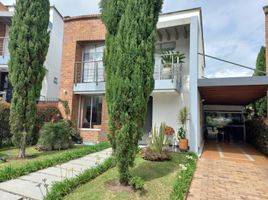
(231, 91)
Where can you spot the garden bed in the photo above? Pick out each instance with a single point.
(161, 180)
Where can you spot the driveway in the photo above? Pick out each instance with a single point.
(231, 172)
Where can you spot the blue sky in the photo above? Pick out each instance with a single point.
(233, 29)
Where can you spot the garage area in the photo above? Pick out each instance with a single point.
(223, 118)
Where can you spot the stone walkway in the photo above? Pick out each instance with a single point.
(32, 186)
(230, 172)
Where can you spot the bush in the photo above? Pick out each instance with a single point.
(5, 135)
(184, 178)
(44, 114)
(257, 135)
(56, 136)
(61, 189)
(137, 183)
(7, 173)
(152, 155)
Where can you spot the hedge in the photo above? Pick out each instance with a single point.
(44, 114)
(61, 189)
(184, 178)
(257, 135)
(9, 172)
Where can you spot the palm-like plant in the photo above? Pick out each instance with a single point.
(183, 117)
(169, 57)
(157, 141)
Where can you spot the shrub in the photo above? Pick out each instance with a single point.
(152, 155)
(184, 178)
(137, 183)
(11, 172)
(56, 136)
(5, 135)
(44, 114)
(61, 189)
(257, 135)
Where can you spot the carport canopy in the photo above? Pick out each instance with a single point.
(232, 91)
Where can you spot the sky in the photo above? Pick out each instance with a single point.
(234, 30)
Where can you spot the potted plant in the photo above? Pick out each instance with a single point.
(169, 58)
(183, 141)
(169, 132)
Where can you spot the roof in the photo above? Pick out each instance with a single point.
(233, 91)
(82, 17)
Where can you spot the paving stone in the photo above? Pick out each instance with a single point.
(8, 196)
(39, 177)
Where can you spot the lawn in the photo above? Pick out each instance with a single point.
(159, 178)
(31, 154)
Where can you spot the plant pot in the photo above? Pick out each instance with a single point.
(167, 71)
(183, 144)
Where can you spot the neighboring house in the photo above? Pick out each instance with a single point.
(83, 74)
(50, 85)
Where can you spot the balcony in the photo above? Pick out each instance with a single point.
(90, 76)
(4, 53)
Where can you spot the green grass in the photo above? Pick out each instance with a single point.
(31, 154)
(159, 178)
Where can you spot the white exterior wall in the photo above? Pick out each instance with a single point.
(50, 90)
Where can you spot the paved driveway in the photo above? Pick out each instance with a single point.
(231, 172)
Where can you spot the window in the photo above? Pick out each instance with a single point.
(91, 112)
(55, 80)
(165, 46)
(92, 63)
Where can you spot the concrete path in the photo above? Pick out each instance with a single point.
(35, 185)
(230, 171)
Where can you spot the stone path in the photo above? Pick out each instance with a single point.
(32, 186)
(230, 172)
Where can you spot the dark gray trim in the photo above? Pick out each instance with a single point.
(234, 81)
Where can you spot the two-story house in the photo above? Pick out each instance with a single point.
(50, 85)
(83, 74)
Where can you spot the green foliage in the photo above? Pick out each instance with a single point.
(181, 133)
(257, 135)
(66, 107)
(260, 106)
(7, 173)
(5, 135)
(129, 65)
(170, 57)
(157, 140)
(56, 136)
(137, 183)
(61, 189)
(28, 46)
(184, 178)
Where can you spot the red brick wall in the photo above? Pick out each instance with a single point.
(78, 31)
(3, 7)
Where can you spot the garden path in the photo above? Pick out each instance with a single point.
(34, 186)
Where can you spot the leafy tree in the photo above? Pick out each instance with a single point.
(129, 62)
(260, 106)
(28, 45)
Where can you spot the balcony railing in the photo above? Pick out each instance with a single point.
(4, 46)
(89, 72)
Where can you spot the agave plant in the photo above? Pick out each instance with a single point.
(157, 140)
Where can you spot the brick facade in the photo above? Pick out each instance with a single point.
(79, 31)
(3, 7)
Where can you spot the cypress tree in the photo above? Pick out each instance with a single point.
(260, 106)
(28, 46)
(129, 64)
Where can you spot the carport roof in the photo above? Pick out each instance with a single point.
(232, 91)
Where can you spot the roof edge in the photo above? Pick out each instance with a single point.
(81, 17)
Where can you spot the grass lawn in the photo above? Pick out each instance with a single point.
(159, 178)
(31, 154)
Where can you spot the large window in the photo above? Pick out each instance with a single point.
(92, 63)
(91, 112)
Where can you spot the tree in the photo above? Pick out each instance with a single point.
(129, 64)
(260, 106)
(28, 46)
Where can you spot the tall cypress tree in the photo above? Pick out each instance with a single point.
(129, 64)
(260, 106)
(28, 46)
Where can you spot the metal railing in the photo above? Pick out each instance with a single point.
(89, 72)
(4, 46)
